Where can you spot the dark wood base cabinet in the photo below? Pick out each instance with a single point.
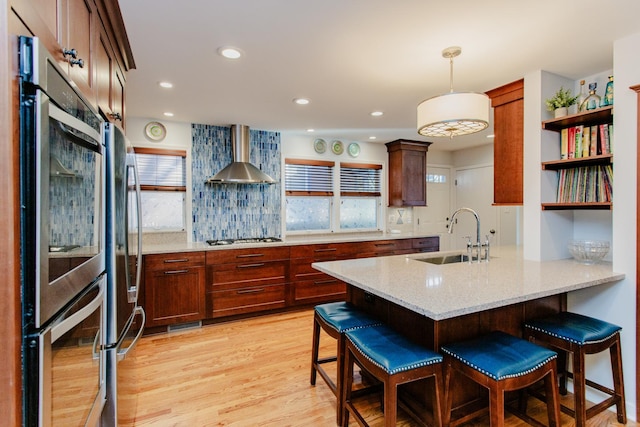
(174, 286)
(223, 284)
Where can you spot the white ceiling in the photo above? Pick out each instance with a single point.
(351, 57)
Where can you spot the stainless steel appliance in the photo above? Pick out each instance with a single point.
(224, 242)
(123, 255)
(62, 246)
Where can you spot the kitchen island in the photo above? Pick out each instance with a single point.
(438, 304)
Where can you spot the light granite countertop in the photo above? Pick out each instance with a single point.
(171, 244)
(445, 291)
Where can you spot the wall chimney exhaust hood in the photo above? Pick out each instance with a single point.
(240, 171)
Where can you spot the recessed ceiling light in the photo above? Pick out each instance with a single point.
(230, 52)
(166, 85)
(311, 130)
(168, 114)
(301, 101)
(376, 113)
(372, 137)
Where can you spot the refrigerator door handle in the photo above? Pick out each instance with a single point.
(122, 353)
(133, 290)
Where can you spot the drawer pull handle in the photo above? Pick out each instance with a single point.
(324, 282)
(326, 250)
(250, 291)
(168, 261)
(250, 256)
(251, 265)
(385, 244)
(176, 272)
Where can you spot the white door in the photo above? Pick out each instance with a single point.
(474, 189)
(432, 219)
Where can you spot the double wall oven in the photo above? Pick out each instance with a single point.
(62, 246)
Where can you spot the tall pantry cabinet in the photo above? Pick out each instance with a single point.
(71, 30)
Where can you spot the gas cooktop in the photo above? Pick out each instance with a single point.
(240, 241)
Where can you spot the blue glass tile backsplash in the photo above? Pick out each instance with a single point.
(232, 211)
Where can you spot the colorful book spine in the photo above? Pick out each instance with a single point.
(586, 142)
(594, 141)
(578, 149)
(564, 143)
(571, 148)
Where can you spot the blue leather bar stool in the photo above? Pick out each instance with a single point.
(581, 335)
(501, 362)
(335, 319)
(393, 360)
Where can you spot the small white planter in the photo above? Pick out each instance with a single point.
(560, 112)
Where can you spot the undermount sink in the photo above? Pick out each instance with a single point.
(447, 259)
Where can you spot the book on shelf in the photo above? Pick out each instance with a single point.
(605, 144)
(571, 143)
(564, 143)
(578, 148)
(585, 184)
(594, 140)
(586, 142)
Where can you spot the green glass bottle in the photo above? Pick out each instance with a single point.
(607, 99)
(593, 100)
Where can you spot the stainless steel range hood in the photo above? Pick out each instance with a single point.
(240, 171)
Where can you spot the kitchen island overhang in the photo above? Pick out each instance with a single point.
(445, 291)
(434, 305)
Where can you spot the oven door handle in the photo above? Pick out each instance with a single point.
(74, 128)
(122, 353)
(67, 324)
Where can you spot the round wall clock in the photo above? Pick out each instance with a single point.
(155, 131)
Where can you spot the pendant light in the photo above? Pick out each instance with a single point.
(454, 113)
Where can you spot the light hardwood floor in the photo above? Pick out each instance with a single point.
(251, 372)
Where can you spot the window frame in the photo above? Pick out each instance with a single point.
(336, 195)
(167, 188)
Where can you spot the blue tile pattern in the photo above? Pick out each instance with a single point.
(231, 211)
(72, 200)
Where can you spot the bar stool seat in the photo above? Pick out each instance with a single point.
(392, 359)
(580, 335)
(335, 319)
(502, 362)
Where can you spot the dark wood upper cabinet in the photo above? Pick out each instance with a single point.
(508, 127)
(407, 172)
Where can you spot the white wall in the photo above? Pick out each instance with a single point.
(546, 232)
(616, 303)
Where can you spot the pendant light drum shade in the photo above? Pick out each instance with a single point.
(453, 114)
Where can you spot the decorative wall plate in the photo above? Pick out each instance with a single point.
(320, 145)
(155, 131)
(353, 149)
(337, 147)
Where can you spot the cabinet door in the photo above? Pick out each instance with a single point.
(175, 296)
(508, 127)
(407, 172)
(104, 64)
(80, 31)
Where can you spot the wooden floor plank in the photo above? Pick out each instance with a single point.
(253, 372)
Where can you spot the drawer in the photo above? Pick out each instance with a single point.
(304, 270)
(246, 300)
(252, 271)
(247, 255)
(325, 251)
(319, 290)
(173, 261)
(427, 244)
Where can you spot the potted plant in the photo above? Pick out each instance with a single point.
(560, 102)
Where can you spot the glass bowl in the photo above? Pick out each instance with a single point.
(588, 251)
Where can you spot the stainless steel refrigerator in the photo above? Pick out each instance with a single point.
(123, 258)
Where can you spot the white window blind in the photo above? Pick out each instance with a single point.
(308, 177)
(360, 179)
(160, 170)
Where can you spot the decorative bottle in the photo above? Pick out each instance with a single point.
(593, 100)
(581, 97)
(607, 99)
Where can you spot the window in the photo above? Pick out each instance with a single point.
(309, 195)
(163, 185)
(312, 203)
(359, 196)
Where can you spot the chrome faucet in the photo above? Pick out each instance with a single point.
(471, 246)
